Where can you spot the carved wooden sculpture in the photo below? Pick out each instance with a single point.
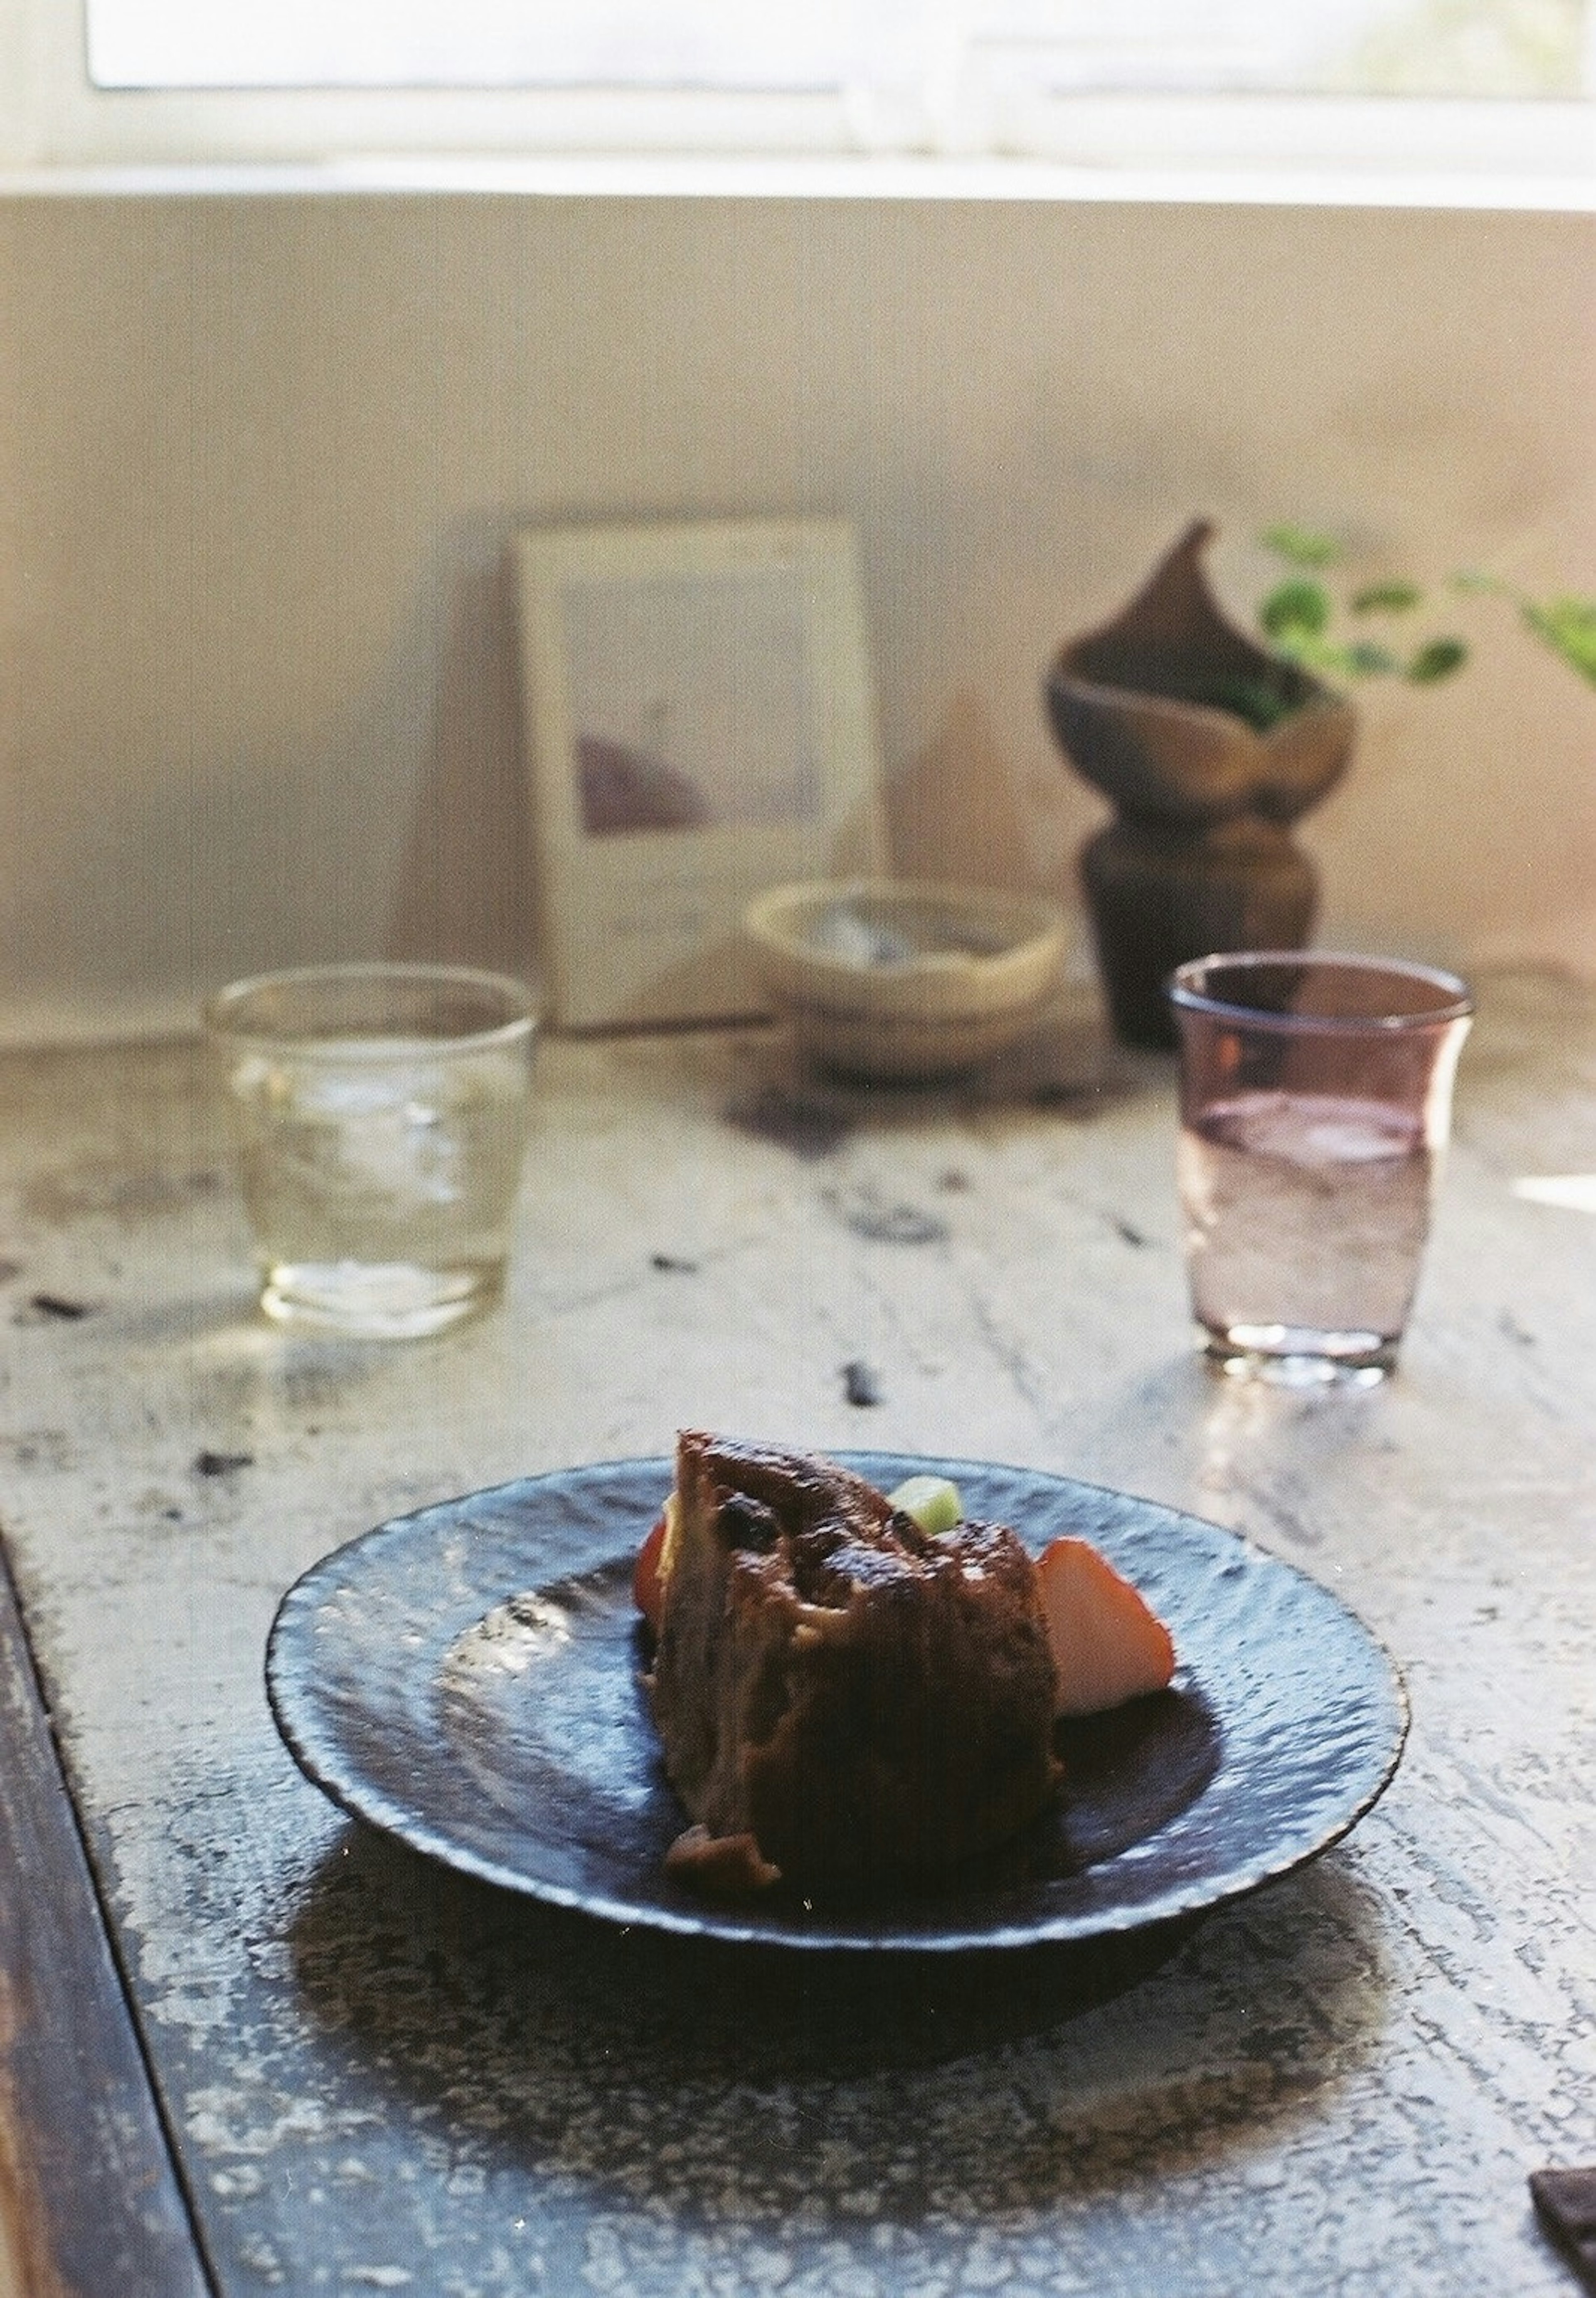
(1210, 748)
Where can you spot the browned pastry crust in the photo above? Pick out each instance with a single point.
(859, 1700)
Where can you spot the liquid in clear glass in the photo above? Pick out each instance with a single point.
(380, 1119)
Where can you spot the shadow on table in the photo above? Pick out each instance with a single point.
(697, 2005)
(525, 2024)
(1064, 1066)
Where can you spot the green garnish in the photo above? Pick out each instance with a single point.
(932, 1502)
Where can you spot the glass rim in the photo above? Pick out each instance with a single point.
(223, 1014)
(1457, 999)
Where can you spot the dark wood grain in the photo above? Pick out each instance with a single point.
(89, 2203)
(1565, 2203)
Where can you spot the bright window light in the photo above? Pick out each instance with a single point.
(1479, 48)
(498, 43)
(1574, 1192)
(1322, 99)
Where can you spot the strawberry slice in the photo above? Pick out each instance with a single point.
(1107, 1645)
(648, 1591)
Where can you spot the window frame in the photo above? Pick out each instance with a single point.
(57, 132)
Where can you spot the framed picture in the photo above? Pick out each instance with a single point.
(700, 726)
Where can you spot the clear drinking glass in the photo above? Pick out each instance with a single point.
(379, 1113)
(1315, 1111)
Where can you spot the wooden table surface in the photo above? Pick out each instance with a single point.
(346, 2069)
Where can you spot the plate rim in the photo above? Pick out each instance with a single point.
(737, 1923)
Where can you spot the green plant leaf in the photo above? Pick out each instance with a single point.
(1306, 651)
(1261, 705)
(1299, 546)
(1568, 626)
(1386, 598)
(1347, 664)
(1295, 610)
(1436, 660)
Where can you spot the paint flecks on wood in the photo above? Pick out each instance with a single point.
(89, 2202)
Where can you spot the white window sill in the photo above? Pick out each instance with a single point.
(1272, 151)
(632, 177)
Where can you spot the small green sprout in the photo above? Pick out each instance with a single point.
(1296, 613)
(1567, 626)
(1299, 547)
(1437, 658)
(1387, 599)
(1299, 615)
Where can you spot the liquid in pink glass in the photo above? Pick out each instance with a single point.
(1315, 1107)
(1304, 1212)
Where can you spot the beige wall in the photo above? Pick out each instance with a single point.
(260, 458)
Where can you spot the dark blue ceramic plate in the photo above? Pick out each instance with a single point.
(467, 1680)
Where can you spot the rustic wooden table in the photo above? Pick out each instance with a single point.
(300, 2058)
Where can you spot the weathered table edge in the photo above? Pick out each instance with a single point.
(90, 2200)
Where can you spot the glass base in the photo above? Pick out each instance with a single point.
(1298, 1356)
(387, 1300)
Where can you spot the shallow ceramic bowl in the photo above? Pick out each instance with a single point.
(892, 979)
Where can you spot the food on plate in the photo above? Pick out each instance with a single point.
(647, 1593)
(933, 1502)
(839, 1695)
(849, 1685)
(1108, 1645)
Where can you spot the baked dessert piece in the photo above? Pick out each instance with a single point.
(839, 1696)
